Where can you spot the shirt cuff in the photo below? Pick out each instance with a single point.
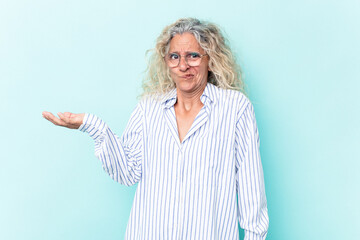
(92, 125)
(254, 236)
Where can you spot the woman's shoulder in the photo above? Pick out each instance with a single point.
(233, 99)
(232, 96)
(151, 101)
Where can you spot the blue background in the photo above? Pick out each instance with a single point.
(302, 68)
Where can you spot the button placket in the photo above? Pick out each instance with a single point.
(182, 192)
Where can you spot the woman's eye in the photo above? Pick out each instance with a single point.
(193, 55)
(173, 56)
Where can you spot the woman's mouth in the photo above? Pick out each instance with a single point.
(187, 76)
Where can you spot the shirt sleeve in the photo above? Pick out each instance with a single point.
(121, 158)
(252, 206)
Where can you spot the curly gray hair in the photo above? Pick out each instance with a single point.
(224, 72)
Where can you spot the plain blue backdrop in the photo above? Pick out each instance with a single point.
(302, 69)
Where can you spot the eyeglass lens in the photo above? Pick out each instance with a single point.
(193, 59)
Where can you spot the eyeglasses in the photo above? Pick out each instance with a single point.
(193, 59)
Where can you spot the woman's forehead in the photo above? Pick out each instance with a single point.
(185, 42)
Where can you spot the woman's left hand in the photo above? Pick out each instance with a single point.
(66, 119)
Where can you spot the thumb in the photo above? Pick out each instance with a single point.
(61, 115)
(64, 117)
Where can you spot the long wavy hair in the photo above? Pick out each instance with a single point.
(224, 72)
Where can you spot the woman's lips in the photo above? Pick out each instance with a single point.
(187, 76)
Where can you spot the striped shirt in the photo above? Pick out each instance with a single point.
(200, 188)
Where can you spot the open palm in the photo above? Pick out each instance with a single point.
(66, 119)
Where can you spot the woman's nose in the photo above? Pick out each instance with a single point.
(183, 66)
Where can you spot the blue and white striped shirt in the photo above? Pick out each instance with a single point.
(200, 188)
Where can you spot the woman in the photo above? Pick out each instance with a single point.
(191, 144)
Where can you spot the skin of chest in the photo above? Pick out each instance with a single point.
(185, 119)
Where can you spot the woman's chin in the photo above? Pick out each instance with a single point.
(188, 87)
(185, 86)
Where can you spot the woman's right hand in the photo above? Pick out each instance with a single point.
(66, 119)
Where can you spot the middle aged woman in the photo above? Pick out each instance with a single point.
(191, 144)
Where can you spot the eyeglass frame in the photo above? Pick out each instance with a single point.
(180, 56)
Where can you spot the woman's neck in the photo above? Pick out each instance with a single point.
(188, 100)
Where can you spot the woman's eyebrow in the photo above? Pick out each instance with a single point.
(184, 52)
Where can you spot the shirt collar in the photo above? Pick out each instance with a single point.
(209, 95)
(169, 98)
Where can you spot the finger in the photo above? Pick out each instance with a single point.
(49, 116)
(45, 114)
(66, 117)
(68, 114)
